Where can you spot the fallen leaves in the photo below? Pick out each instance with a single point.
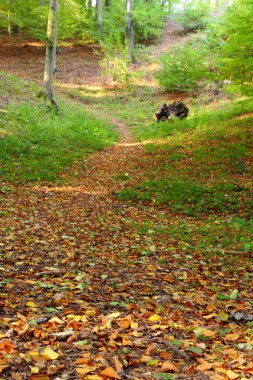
(90, 296)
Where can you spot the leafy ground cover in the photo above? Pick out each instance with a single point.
(96, 287)
(36, 144)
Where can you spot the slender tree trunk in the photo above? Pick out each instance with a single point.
(55, 38)
(107, 4)
(42, 3)
(50, 51)
(9, 17)
(129, 30)
(99, 14)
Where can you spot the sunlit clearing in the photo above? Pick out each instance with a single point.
(37, 43)
(68, 189)
(142, 143)
(80, 86)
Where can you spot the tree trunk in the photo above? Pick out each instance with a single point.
(50, 51)
(55, 38)
(99, 14)
(42, 3)
(107, 4)
(129, 30)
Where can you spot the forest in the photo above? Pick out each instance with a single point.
(126, 208)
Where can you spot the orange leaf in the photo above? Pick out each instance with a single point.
(168, 279)
(232, 337)
(85, 369)
(165, 355)
(110, 372)
(124, 323)
(6, 346)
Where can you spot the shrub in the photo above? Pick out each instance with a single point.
(181, 69)
(194, 16)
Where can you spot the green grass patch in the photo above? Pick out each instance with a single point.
(36, 145)
(186, 196)
(195, 170)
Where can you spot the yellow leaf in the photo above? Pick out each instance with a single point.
(209, 316)
(31, 304)
(114, 315)
(77, 318)
(134, 325)
(155, 318)
(231, 375)
(152, 268)
(50, 354)
(35, 370)
(160, 327)
(110, 372)
(33, 353)
(94, 377)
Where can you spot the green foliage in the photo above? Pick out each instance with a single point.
(37, 145)
(189, 197)
(236, 58)
(195, 15)
(148, 18)
(114, 63)
(182, 68)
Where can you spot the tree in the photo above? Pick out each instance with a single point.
(51, 51)
(237, 53)
(99, 14)
(129, 30)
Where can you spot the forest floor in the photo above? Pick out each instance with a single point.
(95, 288)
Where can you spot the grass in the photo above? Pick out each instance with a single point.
(36, 145)
(202, 170)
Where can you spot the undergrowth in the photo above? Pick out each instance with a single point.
(37, 144)
(202, 168)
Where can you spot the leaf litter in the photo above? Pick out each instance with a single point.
(85, 296)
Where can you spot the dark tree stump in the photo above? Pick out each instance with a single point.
(168, 111)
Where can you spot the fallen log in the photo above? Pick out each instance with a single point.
(168, 111)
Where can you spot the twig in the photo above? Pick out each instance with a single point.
(179, 353)
(63, 334)
(52, 273)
